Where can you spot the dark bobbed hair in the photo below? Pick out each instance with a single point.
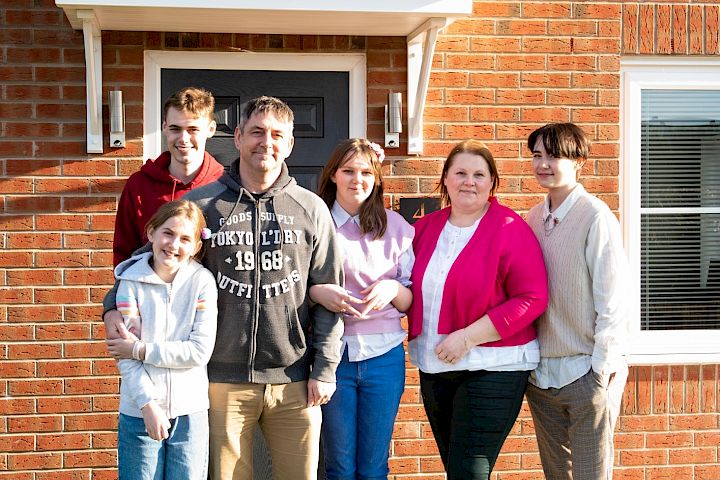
(475, 147)
(193, 100)
(562, 140)
(265, 105)
(373, 217)
(179, 208)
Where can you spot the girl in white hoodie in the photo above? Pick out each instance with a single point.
(169, 305)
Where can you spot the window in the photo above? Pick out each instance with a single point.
(671, 206)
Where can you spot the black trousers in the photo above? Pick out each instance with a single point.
(471, 414)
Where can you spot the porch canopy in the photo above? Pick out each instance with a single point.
(417, 20)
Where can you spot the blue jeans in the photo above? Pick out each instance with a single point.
(358, 421)
(181, 456)
(471, 413)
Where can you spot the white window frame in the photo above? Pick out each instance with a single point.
(637, 74)
(156, 60)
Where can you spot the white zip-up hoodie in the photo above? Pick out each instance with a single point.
(178, 324)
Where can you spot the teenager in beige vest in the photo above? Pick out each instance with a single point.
(575, 392)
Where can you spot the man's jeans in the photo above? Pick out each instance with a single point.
(181, 456)
(358, 421)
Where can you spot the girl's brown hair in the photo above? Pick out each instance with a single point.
(179, 208)
(373, 217)
(474, 147)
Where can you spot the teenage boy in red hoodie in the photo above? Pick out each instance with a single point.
(189, 122)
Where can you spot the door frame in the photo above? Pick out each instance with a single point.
(156, 60)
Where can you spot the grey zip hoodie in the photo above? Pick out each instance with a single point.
(177, 322)
(265, 251)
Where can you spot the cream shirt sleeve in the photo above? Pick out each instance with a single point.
(609, 270)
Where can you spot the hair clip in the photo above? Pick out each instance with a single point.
(205, 233)
(378, 151)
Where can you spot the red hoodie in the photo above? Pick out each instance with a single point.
(145, 191)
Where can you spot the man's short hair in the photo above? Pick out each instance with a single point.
(266, 105)
(193, 100)
(562, 140)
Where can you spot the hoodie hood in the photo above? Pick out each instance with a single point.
(159, 171)
(231, 179)
(139, 269)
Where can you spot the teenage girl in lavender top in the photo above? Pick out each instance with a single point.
(377, 250)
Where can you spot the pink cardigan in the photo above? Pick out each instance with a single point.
(500, 272)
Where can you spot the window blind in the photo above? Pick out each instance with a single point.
(680, 209)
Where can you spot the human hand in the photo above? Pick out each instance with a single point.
(319, 393)
(379, 294)
(453, 347)
(335, 298)
(114, 325)
(121, 348)
(156, 422)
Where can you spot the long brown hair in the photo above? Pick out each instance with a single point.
(373, 217)
(474, 147)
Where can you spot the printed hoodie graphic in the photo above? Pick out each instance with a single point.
(264, 251)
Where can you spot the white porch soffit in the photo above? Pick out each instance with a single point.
(417, 20)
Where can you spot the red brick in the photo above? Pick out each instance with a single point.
(697, 28)
(66, 258)
(34, 461)
(64, 331)
(546, 45)
(597, 10)
(91, 240)
(669, 440)
(711, 29)
(572, 27)
(596, 45)
(495, 79)
(472, 96)
(35, 423)
(471, 26)
(521, 62)
(14, 406)
(63, 441)
(646, 22)
(32, 167)
(520, 96)
(664, 32)
(16, 74)
(571, 97)
(546, 10)
(494, 114)
(66, 404)
(668, 473)
(546, 80)
(17, 443)
(494, 44)
(465, 62)
(16, 186)
(91, 385)
(521, 27)
(33, 277)
(643, 457)
(97, 421)
(34, 350)
(64, 368)
(545, 114)
(679, 29)
(90, 459)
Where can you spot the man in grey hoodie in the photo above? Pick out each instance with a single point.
(275, 357)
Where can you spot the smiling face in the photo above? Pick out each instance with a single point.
(173, 243)
(468, 182)
(354, 180)
(186, 136)
(558, 175)
(264, 143)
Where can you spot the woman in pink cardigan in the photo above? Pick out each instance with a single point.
(478, 284)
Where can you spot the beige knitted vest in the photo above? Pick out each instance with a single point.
(567, 326)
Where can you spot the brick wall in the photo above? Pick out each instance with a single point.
(509, 68)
